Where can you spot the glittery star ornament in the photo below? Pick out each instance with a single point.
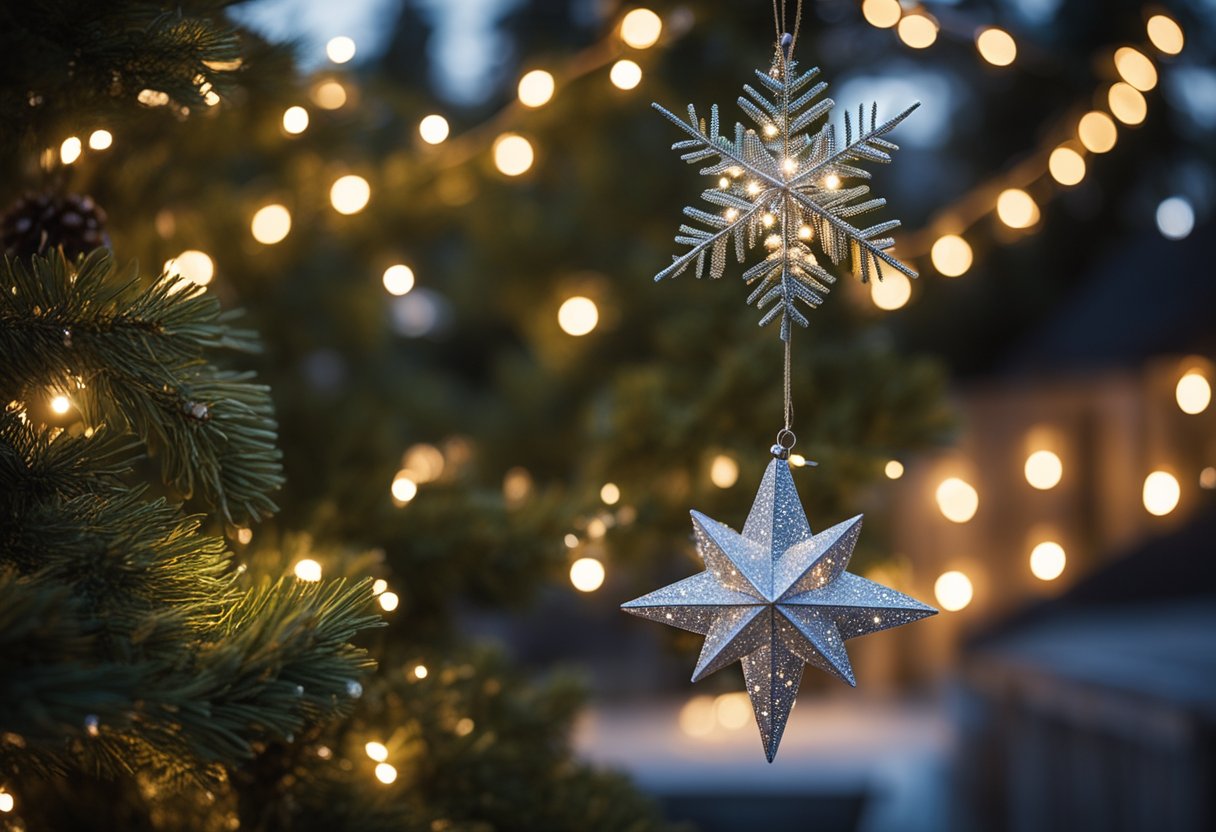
(776, 598)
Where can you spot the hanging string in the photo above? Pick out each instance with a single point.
(779, 24)
(789, 401)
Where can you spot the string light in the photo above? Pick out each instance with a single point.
(271, 224)
(571, 540)
(350, 194)
(101, 139)
(1127, 103)
(516, 485)
(723, 471)
(536, 88)
(951, 255)
(1047, 560)
(295, 120)
(578, 316)
(1165, 34)
(1043, 470)
(894, 469)
(425, 462)
(192, 265)
(1161, 493)
(340, 49)
(385, 773)
(625, 74)
(587, 574)
(805, 232)
(70, 150)
(881, 14)
(464, 727)
(1017, 209)
(388, 601)
(152, 98)
(376, 751)
(610, 494)
(433, 129)
(398, 279)
(6, 802)
(1193, 393)
(953, 591)
(60, 404)
(596, 528)
(379, 585)
(244, 535)
(329, 95)
(697, 716)
(1135, 68)
(641, 28)
(892, 292)
(404, 488)
(513, 154)
(1066, 165)
(1097, 131)
(957, 500)
(918, 31)
(420, 671)
(1175, 218)
(797, 460)
(831, 182)
(308, 570)
(996, 46)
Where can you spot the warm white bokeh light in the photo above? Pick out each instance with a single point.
(329, 95)
(1165, 34)
(733, 710)
(1047, 560)
(388, 601)
(996, 46)
(578, 315)
(295, 120)
(308, 570)
(881, 14)
(953, 591)
(404, 488)
(951, 255)
(697, 716)
(1044, 470)
(377, 751)
(385, 773)
(513, 154)
(917, 30)
(1175, 218)
(398, 279)
(1017, 209)
(6, 802)
(894, 469)
(1066, 165)
(349, 194)
(536, 88)
(193, 265)
(723, 471)
(1097, 131)
(70, 150)
(587, 574)
(1135, 68)
(60, 404)
(1193, 393)
(957, 499)
(610, 494)
(1161, 493)
(1127, 103)
(434, 128)
(625, 74)
(892, 292)
(340, 49)
(420, 671)
(271, 224)
(641, 28)
(100, 139)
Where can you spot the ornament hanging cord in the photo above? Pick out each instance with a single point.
(786, 437)
(779, 25)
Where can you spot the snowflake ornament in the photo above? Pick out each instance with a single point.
(790, 188)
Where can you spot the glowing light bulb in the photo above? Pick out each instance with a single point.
(1135, 68)
(1193, 393)
(376, 751)
(385, 773)
(894, 469)
(578, 316)
(1017, 209)
(243, 536)
(1165, 34)
(388, 601)
(625, 74)
(953, 591)
(1044, 470)
(6, 802)
(340, 49)
(308, 570)
(957, 500)
(100, 139)
(731, 214)
(70, 150)
(536, 88)
(892, 292)
(610, 494)
(1127, 103)
(1175, 218)
(996, 46)
(329, 95)
(770, 130)
(433, 129)
(379, 585)
(420, 671)
(404, 488)
(831, 182)
(271, 224)
(768, 220)
(917, 30)
(295, 120)
(881, 14)
(587, 574)
(723, 471)
(805, 232)
(641, 28)
(1047, 560)
(195, 266)
(60, 404)
(1161, 493)
(753, 188)
(398, 279)
(951, 255)
(1066, 165)
(512, 154)
(789, 165)
(350, 194)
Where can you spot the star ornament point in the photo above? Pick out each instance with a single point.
(776, 597)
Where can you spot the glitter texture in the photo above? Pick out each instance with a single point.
(776, 598)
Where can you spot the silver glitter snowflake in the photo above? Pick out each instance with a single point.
(776, 598)
(790, 188)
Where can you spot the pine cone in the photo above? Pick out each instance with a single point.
(38, 223)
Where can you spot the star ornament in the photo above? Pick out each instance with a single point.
(776, 598)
